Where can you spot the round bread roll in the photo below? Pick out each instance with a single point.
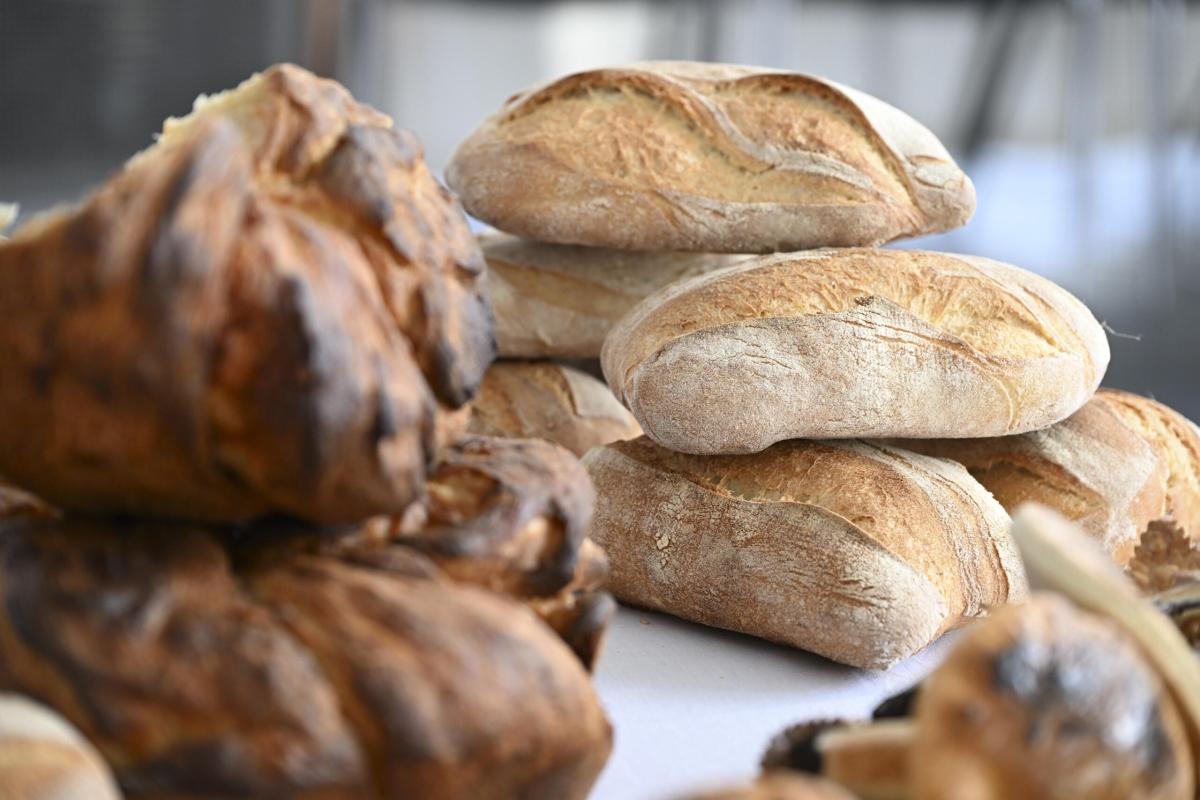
(43, 758)
(263, 313)
(858, 552)
(711, 157)
(544, 400)
(285, 662)
(1048, 701)
(850, 343)
(1113, 467)
(559, 301)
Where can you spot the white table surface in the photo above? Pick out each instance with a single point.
(694, 708)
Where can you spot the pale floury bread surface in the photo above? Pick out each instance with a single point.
(560, 301)
(1114, 466)
(853, 343)
(690, 156)
(862, 553)
(43, 757)
(544, 400)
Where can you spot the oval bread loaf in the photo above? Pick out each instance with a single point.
(861, 553)
(544, 400)
(1113, 467)
(688, 156)
(42, 757)
(560, 301)
(848, 343)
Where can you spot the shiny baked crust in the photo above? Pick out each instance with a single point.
(264, 312)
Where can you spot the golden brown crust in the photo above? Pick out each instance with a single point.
(545, 400)
(1047, 700)
(262, 313)
(289, 673)
(860, 553)
(43, 758)
(560, 301)
(685, 156)
(857, 342)
(1113, 467)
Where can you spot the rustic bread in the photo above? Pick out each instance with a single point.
(559, 301)
(687, 156)
(262, 313)
(1048, 701)
(859, 552)
(1113, 467)
(845, 343)
(43, 758)
(544, 400)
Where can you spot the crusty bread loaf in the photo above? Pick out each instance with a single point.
(1113, 467)
(544, 400)
(262, 313)
(559, 301)
(687, 156)
(193, 657)
(861, 553)
(43, 758)
(859, 342)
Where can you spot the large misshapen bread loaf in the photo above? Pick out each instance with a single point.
(560, 301)
(848, 343)
(689, 156)
(544, 400)
(1114, 466)
(196, 658)
(42, 757)
(265, 312)
(861, 553)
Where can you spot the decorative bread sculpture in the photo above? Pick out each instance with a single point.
(545, 400)
(560, 301)
(688, 156)
(1113, 467)
(861, 553)
(853, 343)
(196, 659)
(43, 758)
(264, 312)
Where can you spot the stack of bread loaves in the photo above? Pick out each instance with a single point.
(767, 495)
(274, 313)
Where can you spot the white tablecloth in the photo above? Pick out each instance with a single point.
(695, 707)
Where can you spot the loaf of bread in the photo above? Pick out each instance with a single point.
(194, 658)
(43, 758)
(862, 553)
(544, 400)
(559, 301)
(262, 313)
(713, 157)
(858, 342)
(1113, 467)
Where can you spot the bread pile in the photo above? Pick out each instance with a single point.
(269, 564)
(807, 415)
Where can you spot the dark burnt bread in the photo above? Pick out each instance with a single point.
(267, 312)
(303, 675)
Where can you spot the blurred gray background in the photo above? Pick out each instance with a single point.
(1078, 120)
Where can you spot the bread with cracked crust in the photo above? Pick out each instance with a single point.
(266, 312)
(1113, 467)
(709, 157)
(853, 343)
(545, 400)
(560, 301)
(861, 553)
